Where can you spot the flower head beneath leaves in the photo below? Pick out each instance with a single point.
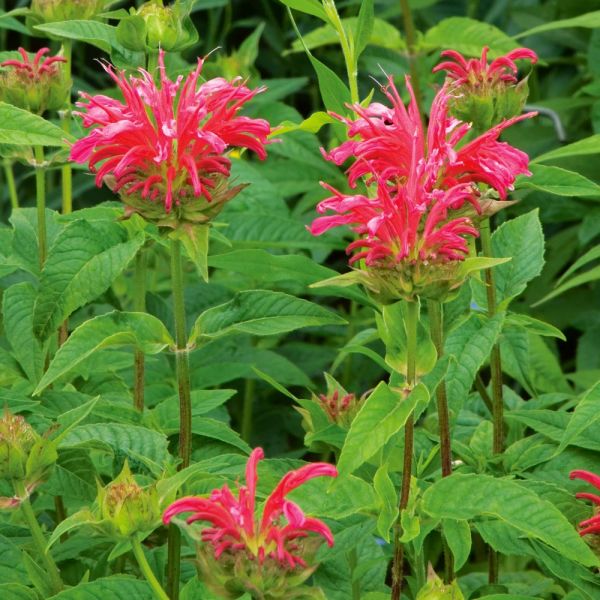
(591, 525)
(167, 143)
(237, 528)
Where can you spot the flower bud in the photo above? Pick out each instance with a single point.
(436, 589)
(339, 405)
(50, 11)
(34, 84)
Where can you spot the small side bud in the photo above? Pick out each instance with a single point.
(51, 11)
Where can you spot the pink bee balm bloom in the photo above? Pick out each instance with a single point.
(37, 68)
(167, 143)
(592, 525)
(237, 528)
(478, 72)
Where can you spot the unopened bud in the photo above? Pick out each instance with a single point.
(436, 589)
(50, 11)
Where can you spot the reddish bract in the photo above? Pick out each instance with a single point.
(35, 69)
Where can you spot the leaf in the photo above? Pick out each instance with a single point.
(386, 492)
(15, 591)
(195, 243)
(17, 309)
(558, 181)
(468, 37)
(117, 587)
(583, 260)
(588, 20)
(586, 414)
(458, 536)
(470, 345)
(584, 147)
(467, 496)
(82, 263)
(587, 277)
(310, 7)
(312, 124)
(522, 239)
(534, 326)
(11, 567)
(381, 415)
(260, 312)
(19, 127)
(114, 329)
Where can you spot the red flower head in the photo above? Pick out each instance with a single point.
(477, 72)
(167, 144)
(590, 525)
(36, 85)
(236, 527)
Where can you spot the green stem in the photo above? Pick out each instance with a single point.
(152, 64)
(65, 115)
(411, 44)
(412, 321)
(185, 408)
(249, 388)
(40, 187)
(10, 183)
(38, 538)
(353, 562)
(139, 305)
(138, 552)
(496, 376)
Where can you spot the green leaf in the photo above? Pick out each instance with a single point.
(586, 414)
(310, 7)
(583, 260)
(534, 326)
(470, 345)
(522, 239)
(312, 124)
(468, 37)
(584, 147)
(82, 263)
(19, 127)
(589, 20)
(260, 312)
(582, 278)
(195, 243)
(17, 309)
(458, 536)
(468, 496)
(73, 477)
(114, 329)
(381, 415)
(386, 493)
(15, 591)
(558, 181)
(117, 587)
(11, 567)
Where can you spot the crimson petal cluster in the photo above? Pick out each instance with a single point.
(236, 527)
(168, 142)
(591, 525)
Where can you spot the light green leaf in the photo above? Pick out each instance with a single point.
(386, 493)
(469, 496)
(458, 536)
(381, 415)
(19, 127)
(195, 243)
(558, 181)
(534, 325)
(588, 20)
(260, 312)
(82, 263)
(312, 124)
(114, 329)
(583, 260)
(586, 414)
(117, 587)
(15, 591)
(582, 278)
(584, 147)
(310, 7)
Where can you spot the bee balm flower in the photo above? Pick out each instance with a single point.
(589, 526)
(164, 148)
(268, 552)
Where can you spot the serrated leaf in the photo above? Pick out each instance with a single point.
(586, 414)
(458, 536)
(534, 325)
(19, 127)
(114, 329)
(470, 345)
(82, 263)
(260, 312)
(381, 415)
(386, 493)
(117, 587)
(558, 181)
(584, 147)
(468, 496)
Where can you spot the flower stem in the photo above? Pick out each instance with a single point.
(412, 320)
(185, 408)
(10, 183)
(40, 195)
(65, 115)
(139, 305)
(496, 376)
(38, 538)
(138, 552)
(411, 42)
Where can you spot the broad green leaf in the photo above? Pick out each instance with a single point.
(584, 147)
(468, 37)
(470, 345)
(82, 263)
(17, 309)
(558, 181)
(386, 493)
(588, 20)
(310, 7)
(260, 312)
(114, 329)
(16, 591)
(11, 567)
(522, 239)
(381, 415)
(195, 243)
(19, 127)
(365, 27)
(534, 325)
(117, 587)
(458, 536)
(73, 477)
(586, 414)
(468, 496)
